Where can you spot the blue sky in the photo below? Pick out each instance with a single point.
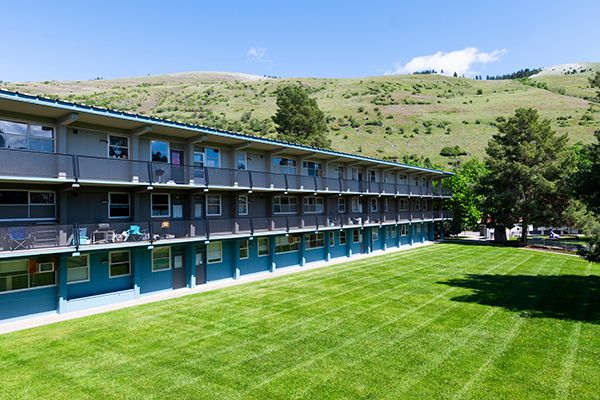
(45, 40)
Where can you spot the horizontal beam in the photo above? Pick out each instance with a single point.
(68, 119)
(141, 130)
(242, 146)
(198, 139)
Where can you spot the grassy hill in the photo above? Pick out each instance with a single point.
(389, 116)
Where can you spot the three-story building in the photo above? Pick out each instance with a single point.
(99, 206)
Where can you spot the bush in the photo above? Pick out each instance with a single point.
(452, 151)
(479, 92)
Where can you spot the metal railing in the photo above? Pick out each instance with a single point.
(86, 236)
(25, 163)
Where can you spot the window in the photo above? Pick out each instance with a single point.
(17, 274)
(118, 264)
(331, 238)
(212, 157)
(118, 205)
(285, 205)
(311, 168)
(17, 135)
(286, 244)
(78, 269)
(354, 172)
(403, 230)
(313, 204)
(416, 180)
(417, 229)
(242, 205)
(314, 240)
(402, 179)
(356, 236)
(284, 165)
(263, 246)
(244, 246)
(340, 171)
(118, 147)
(424, 182)
(373, 205)
(241, 161)
(385, 205)
(356, 205)
(342, 237)
(394, 231)
(159, 151)
(375, 234)
(424, 204)
(198, 206)
(389, 177)
(372, 175)
(214, 252)
(213, 204)
(341, 204)
(161, 204)
(403, 204)
(417, 205)
(161, 259)
(27, 205)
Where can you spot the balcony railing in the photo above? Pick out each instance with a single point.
(28, 165)
(87, 236)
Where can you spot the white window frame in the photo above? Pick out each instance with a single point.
(403, 230)
(306, 204)
(29, 124)
(152, 205)
(404, 205)
(128, 205)
(169, 256)
(110, 263)
(275, 198)
(341, 205)
(86, 266)
(340, 172)
(354, 173)
(209, 214)
(108, 146)
(374, 234)
(206, 156)
(240, 197)
(290, 168)
(305, 168)
(214, 261)
(385, 205)
(393, 231)
(372, 176)
(244, 244)
(345, 236)
(359, 235)
(417, 205)
(355, 201)
(371, 203)
(402, 178)
(29, 204)
(331, 238)
(307, 241)
(296, 243)
(168, 150)
(258, 245)
(237, 158)
(29, 276)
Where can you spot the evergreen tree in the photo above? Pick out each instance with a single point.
(465, 203)
(455, 75)
(528, 164)
(298, 118)
(595, 82)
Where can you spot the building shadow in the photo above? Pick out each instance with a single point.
(567, 297)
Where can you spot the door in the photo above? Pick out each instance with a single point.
(200, 266)
(179, 276)
(177, 168)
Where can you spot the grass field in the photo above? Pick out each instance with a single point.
(385, 116)
(446, 321)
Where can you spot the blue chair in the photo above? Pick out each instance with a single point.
(18, 238)
(83, 237)
(135, 233)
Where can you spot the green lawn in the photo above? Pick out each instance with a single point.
(445, 321)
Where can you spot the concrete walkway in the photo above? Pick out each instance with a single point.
(46, 319)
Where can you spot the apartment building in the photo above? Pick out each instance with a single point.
(99, 206)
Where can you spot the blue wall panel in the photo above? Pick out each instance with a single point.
(313, 255)
(291, 259)
(338, 250)
(27, 302)
(152, 281)
(254, 263)
(99, 281)
(224, 269)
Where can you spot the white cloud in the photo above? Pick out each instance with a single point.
(459, 61)
(257, 54)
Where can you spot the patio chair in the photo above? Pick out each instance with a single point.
(18, 239)
(134, 234)
(83, 238)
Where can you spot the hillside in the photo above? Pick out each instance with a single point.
(389, 116)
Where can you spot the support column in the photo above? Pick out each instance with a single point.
(61, 287)
(272, 262)
(302, 259)
(411, 228)
(236, 259)
(137, 265)
(422, 233)
(327, 246)
(397, 235)
(369, 240)
(348, 242)
(190, 267)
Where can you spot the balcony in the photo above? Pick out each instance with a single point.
(21, 165)
(46, 239)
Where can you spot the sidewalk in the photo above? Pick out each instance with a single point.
(32, 322)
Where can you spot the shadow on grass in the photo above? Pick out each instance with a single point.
(567, 297)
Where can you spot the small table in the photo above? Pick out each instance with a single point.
(103, 236)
